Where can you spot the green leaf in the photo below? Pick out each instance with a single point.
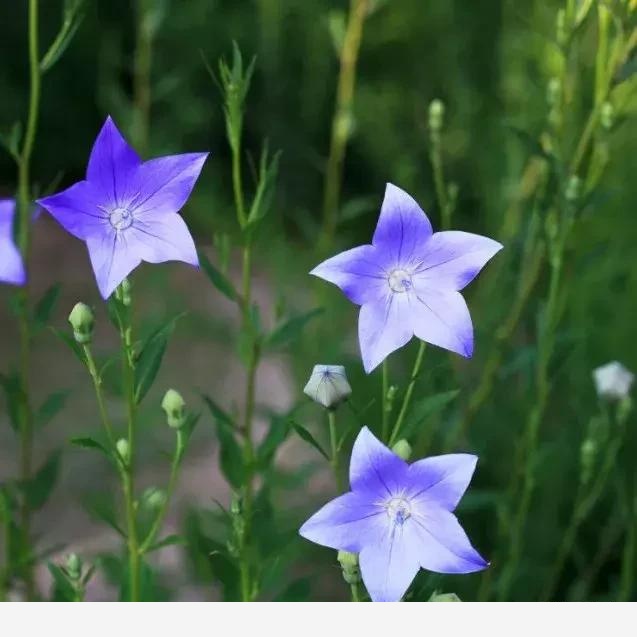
(262, 201)
(91, 443)
(100, 507)
(170, 540)
(11, 140)
(14, 396)
(425, 408)
(70, 342)
(71, 20)
(45, 306)
(150, 358)
(51, 407)
(63, 590)
(39, 488)
(291, 329)
(278, 432)
(230, 454)
(309, 438)
(217, 278)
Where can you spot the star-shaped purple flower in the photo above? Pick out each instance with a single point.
(407, 281)
(398, 517)
(12, 268)
(126, 210)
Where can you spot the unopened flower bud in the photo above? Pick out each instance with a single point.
(122, 448)
(175, 407)
(349, 564)
(123, 292)
(573, 189)
(436, 115)
(607, 115)
(328, 385)
(613, 381)
(154, 498)
(444, 597)
(73, 566)
(553, 91)
(82, 321)
(588, 455)
(402, 449)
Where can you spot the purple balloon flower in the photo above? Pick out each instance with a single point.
(398, 517)
(12, 268)
(407, 281)
(126, 210)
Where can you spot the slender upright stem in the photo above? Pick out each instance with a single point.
(355, 594)
(128, 479)
(629, 555)
(385, 405)
(334, 459)
(341, 122)
(439, 180)
(141, 78)
(24, 214)
(97, 385)
(407, 398)
(237, 184)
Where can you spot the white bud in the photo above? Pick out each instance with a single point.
(328, 385)
(613, 381)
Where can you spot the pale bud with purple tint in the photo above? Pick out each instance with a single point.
(613, 381)
(328, 385)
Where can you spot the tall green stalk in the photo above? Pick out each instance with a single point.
(342, 120)
(141, 73)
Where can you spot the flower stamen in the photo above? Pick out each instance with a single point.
(399, 280)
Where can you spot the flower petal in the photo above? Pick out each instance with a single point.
(357, 272)
(12, 268)
(165, 183)
(383, 327)
(452, 259)
(347, 523)
(78, 210)
(441, 318)
(113, 257)
(165, 238)
(389, 566)
(112, 164)
(375, 469)
(444, 546)
(441, 479)
(403, 227)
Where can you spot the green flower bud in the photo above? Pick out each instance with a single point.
(82, 321)
(588, 454)
(607, 115)
(73, 566)
(436, 115)
(175, 407)
(122, 448)
(402, 449)
(122, 293)
(444, 597)
(553, 91)
(349, 564)
(573, 189)
(154, 498)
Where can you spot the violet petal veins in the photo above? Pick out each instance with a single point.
(126, 210)
(408, 280)
(398, 517)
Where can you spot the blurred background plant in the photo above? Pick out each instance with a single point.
(514, 120)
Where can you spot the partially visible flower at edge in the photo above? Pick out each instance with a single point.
(12, 268)
(126, 210)
(407, 281)
(613, 381)
(328, 385)
(398, 517)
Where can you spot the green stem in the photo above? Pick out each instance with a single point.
(128, 478)
(407, 398)
(629, 554)
(439, 180)
(172, 481)
(24, 214)
(141, 78)
(341, 122)
(355, 595)
(334, 459)
(385, 406)
(237, 183)
(97, 385)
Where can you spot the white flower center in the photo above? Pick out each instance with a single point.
(120, 218)
(398, 510)
(399, 280)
